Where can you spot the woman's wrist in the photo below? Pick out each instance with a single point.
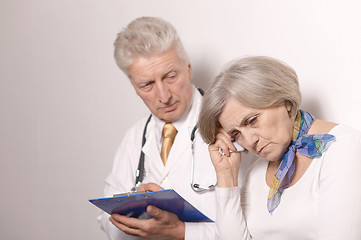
(227, 179)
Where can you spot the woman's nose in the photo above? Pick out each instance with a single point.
(250, 137)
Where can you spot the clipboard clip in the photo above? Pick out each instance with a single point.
(128, 193)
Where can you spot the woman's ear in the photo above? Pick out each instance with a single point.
(289, 108)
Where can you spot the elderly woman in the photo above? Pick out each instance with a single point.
(306, 182)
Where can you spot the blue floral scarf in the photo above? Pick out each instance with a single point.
(307, 145)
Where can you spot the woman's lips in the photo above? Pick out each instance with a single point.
(263, 149)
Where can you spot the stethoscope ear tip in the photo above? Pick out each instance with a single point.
(195, 185)
(197, 188)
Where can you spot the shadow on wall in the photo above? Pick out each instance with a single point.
(202, 76)
(313, 106)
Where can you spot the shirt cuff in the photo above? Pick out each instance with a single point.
(192, 231)
(228, 192)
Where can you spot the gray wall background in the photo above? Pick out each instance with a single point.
(64, 105)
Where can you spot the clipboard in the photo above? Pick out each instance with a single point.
(135, 205)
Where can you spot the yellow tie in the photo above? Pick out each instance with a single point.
(169, 132)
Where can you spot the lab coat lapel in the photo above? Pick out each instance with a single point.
(182, 142)
(153, 161)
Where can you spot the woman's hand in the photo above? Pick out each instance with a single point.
(226, 164)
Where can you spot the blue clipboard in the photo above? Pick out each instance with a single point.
(135, 205)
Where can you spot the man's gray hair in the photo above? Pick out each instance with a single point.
(145, 37)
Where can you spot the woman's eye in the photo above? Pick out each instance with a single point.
(252, 120)
(234, 135)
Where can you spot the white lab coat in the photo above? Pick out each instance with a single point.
(176, 174)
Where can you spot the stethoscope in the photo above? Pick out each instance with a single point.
(139, 174)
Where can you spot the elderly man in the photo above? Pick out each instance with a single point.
(150, 53)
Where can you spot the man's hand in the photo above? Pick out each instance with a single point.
(163, 223)
(150, 187)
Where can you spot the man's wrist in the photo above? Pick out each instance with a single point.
(178, 232)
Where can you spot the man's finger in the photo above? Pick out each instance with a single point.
(123, 228)
(161, 215)
(151, 187)
(155, 212)
(126, 221)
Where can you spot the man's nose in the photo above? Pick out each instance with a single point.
(163, 92)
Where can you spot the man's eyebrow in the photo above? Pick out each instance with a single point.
(143, 82)
(150, 80)
(168, 71)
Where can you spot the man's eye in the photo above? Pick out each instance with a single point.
(146, 86)
(171, 76)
